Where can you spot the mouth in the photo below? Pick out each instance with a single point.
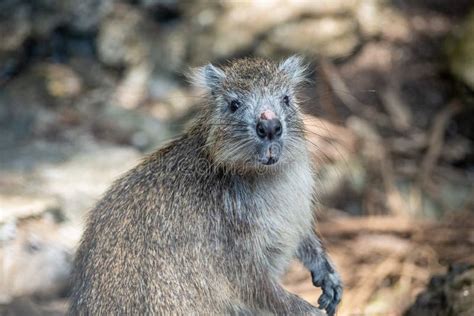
(270, 154)
(270, 161)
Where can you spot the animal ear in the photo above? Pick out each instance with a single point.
(295, 68)
(208, 77)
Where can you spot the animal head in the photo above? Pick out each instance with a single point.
(255, 120)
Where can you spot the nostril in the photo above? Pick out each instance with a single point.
(261, 130)
(278, 128)
(269, 129)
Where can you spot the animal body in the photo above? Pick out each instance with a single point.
(208, 223)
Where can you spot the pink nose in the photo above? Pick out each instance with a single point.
(267, 115)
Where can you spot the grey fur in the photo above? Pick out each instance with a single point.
(201, 226)
(208, 77)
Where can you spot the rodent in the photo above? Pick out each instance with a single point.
(208, 223)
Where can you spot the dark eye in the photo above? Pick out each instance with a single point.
(234, 105)
(286, 100)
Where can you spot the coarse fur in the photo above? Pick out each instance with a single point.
(206, 224)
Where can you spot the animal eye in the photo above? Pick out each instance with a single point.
(286, 100)
(234, 105)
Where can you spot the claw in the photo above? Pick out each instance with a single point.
(323, 301)
(338, 294)
(331, 307)
(332, 292)
(316, 280)
(331, 310)
(327, 297)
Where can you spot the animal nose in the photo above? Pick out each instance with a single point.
(269, 128)
(267, 115)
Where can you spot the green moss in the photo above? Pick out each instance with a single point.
(460, 51)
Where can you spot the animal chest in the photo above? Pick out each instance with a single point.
(285, 215)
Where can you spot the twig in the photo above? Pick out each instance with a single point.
(399, 112)
(372, 224)
(340, 89)
(436, 141)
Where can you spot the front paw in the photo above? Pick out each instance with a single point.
(330, 283)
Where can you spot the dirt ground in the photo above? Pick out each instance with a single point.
(386, 262)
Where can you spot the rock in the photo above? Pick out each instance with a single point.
(174, 106)
(234, 33)
(224, 33)
(124, 37)
(323, 7)
(24, 102)
(82, 16)
(79, 182)
(236, 27)
(48, 177)
(170, 53)
(34, 307)
(130, 126)
(171, 101)
(36, 258)
(379, 18)
(368, 14)
(460, 293)
(15, 28)
(451, 294)
(460, 48)
(85, 15)
(15, 25)
(14, 207)
(151, 3)
(132, 90)
(62, 81)
(328, 36)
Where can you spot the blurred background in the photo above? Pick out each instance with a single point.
(88, 87)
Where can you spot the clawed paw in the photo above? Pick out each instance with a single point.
(331, 285)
